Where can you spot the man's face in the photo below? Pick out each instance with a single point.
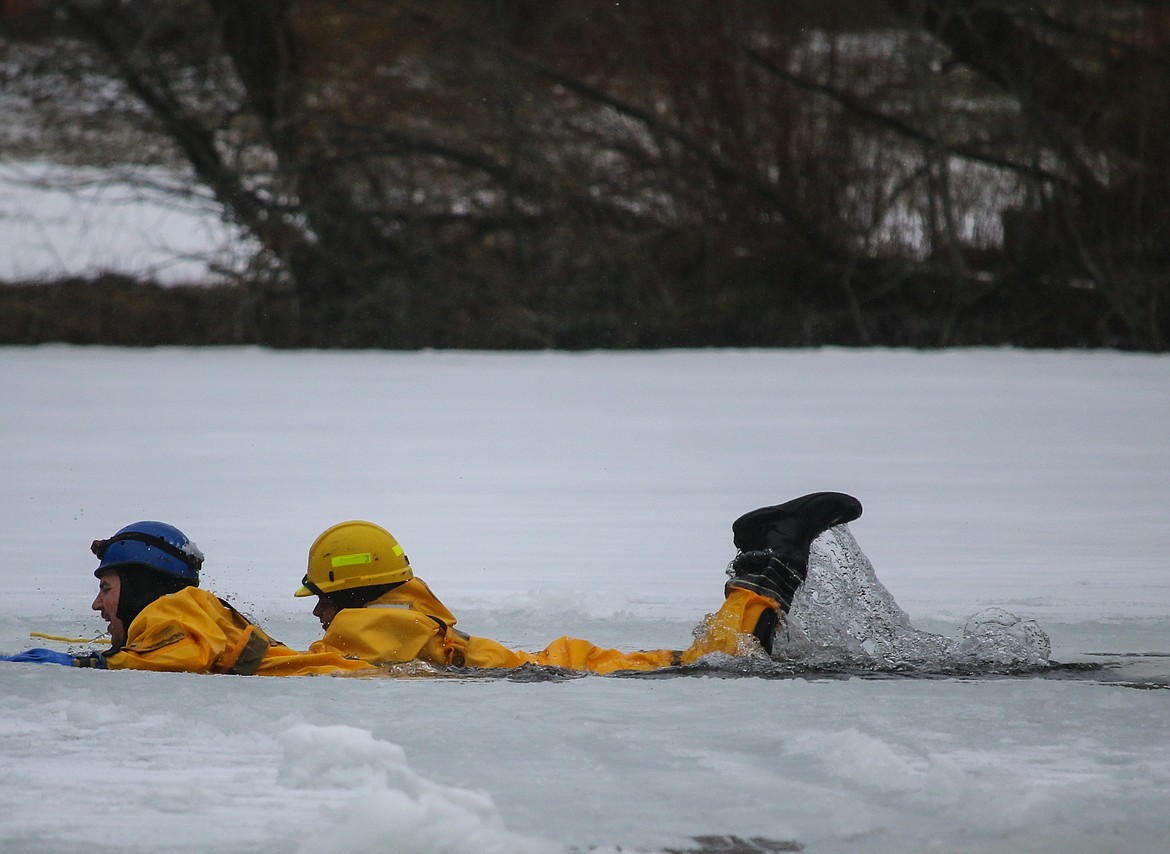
(109, 591)
(325, 611)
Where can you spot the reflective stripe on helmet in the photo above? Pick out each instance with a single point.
(351, 560)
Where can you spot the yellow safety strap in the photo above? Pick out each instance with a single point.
(63, 639)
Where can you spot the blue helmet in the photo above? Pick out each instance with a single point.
(155, 545)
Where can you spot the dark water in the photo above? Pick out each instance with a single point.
(1125, 670)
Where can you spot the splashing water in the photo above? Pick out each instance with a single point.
(843, 616)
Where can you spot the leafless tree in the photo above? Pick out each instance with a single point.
(526, 173)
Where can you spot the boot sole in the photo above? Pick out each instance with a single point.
(822, 510)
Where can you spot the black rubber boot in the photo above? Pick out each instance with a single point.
(793, 524)
(765, 630)
(774, 542)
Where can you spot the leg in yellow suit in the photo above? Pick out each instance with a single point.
(728, 630)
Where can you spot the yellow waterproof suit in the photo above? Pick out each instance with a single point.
(193, 631)
(409, 623)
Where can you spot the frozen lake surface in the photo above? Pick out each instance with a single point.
(592, 494)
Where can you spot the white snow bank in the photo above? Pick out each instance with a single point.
(58, 221)
(375, 799)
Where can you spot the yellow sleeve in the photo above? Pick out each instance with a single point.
(191, 631)
(281, 660)
(166, 646)
(385, 635)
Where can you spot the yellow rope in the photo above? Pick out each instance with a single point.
(98, 639)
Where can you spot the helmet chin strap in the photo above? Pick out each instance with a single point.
(311, 587)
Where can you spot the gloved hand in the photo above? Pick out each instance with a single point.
(40, 656)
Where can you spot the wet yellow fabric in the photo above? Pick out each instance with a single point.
(192, 631)
(409, 623)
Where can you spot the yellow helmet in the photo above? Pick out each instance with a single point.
(353, 554)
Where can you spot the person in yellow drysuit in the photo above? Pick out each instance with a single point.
(373, 607)
(159, 618)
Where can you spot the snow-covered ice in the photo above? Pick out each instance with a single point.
(592, 494)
